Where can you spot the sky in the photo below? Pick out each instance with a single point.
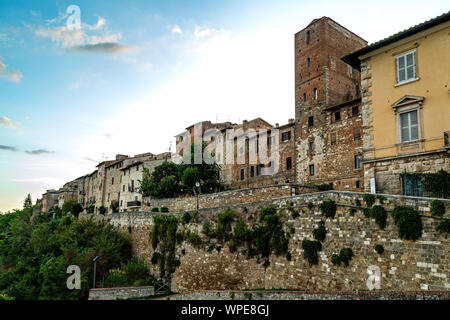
(134, 74)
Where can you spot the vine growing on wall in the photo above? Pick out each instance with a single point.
(408, 222)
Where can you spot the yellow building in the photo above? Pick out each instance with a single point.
(406, 106)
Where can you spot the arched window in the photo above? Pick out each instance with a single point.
(315, 93)
(309, 62)
(308, 37)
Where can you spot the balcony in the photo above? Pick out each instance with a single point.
(134, 204)
(447, 139)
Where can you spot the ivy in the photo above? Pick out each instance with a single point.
(369, 199)
(381, 198)
(437, 208)
(379, 213)
(328, 208)
(294, 212)
(444, 227)
(379, 249)
(320, 232)
(164, 209)
(310, 205)
(358, 202)
(155, 209)
(437, 183)
(310, 249)
(408, 222)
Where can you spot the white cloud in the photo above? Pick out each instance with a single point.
(4, 121)
(176, 29)
(13, 76)
(206, 32)
(100, 23)
(75, 85)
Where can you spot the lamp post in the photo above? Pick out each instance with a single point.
(197, 184)
(95, 270)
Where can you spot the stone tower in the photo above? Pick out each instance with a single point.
(322, 80)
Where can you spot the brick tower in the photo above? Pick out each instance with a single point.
(322, 80)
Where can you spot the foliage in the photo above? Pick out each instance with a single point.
(294, 212)
(328, 208)
(27, 203)
(381, 198)
(90, 208)
(5, 297)
(155, 257)
(134, 273)
(352, 211)
(379, 249)
(310, 205)
(190, 177)
(369, 199)
(248, 296)
(232, 295)
(408, 222)
(310, 249)
(164, 209)
(186, 217)
(437, 183)
(444, 227)
(366, 212)
(288, 256)
(346, 255)
(114, 206)
(437, 208)
(223, 226)
(208, 230)
(320, 232)
(115, 278)
(102, 210)
(380, 216)
(335, 260)
(34, 256)
(168, 187)
(154, 209)
(324, 187)
(72, 207)
(358, 202)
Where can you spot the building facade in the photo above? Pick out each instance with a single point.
(327, 106)
(406, 106)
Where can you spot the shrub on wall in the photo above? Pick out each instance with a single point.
(352, 211)
(335, 259)
(437, 208)
(379, 213)
(320, 232)
(408, 222)
(444, 227)
(164, 209)
(369, 199)
(379, 249)
(381, 198)
(155, 209)
(310, 249)
(345, 255)
(324, 186)
(358, 202)
(328, 208)
(310, 205)
(186, 218)
(437, 183)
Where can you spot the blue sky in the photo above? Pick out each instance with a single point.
(139, 72)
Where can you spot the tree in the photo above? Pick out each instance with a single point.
(28, 203)
(68, 206)
(167, 188)
(190, 177)
(114, 206)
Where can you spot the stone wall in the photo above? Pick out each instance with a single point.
(219, 199)
(120, 293)
(299, 295)
(405, 265)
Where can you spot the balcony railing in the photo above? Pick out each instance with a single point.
(131, 204)
(447, 139)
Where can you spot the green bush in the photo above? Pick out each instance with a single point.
(325, 187)
(310, 205)
(381, 198)
(155, 257)
(335, 259)
(116, 278)
(366, 212)
(320, 232)
(346, 255)
(102, 210)
(310, 249)
(352, 211)
(164, 209)
(437, 208)
(369, 199)
(191, 175)
(288, 256)
(186, 217)
(155, 209)
(114, 206)
(379, 249)
(379, 213)
(444, 227)
(437, 183)
(408, 222)
(328, 208)
(358, 202)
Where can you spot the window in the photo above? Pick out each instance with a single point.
(315, 93)
(311, 169)
(258, 169)
(286, 136)
(121, 203)
(288, 163)
(356, 133)
(311, 146)
(409, 126)
(132, 185)
(406, 69)
(352, 70)
(337, 116)
(412, 185)
(242, 174)
(308, 62)
(270, 140)
(310, 121)
(252, 171)
(333, 138)
(123, 189)
(355, 111)
(358, 184)
(304, 97)
(112, 180)
(308, 37)
(358, 161)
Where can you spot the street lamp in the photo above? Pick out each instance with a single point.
(95, 270)
(197, 184)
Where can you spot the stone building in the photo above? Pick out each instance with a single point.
(406, 106)
(49, 200)
(327, 106)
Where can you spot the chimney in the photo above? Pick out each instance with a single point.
(291, 120)
(277, 125)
